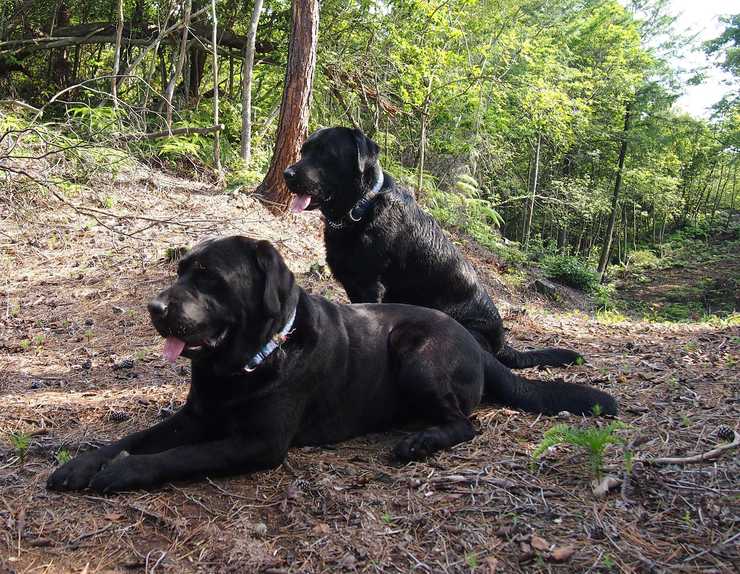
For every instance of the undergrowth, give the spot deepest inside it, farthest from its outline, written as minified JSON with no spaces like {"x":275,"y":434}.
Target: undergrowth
{"x":593,"y":440}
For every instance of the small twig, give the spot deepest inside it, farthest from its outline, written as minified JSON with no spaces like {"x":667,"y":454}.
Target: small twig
{"x":709,"y":455}
{"x":172,"y":133}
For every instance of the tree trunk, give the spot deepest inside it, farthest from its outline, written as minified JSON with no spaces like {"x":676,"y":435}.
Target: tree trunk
{"x":607,"y":244}
{"x":170,"y":91}
{"x":117,"y":54}
{"x":295,"y":105}
{"x":422,"y":150}
{"x":247,"y":68}
{"x":731,"y":211}
{"x":217,"y":135}
{"x":530,"y":209}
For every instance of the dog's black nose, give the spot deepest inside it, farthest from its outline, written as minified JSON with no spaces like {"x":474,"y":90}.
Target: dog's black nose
{"x":289,"y":173}
{"x":157,"y":308}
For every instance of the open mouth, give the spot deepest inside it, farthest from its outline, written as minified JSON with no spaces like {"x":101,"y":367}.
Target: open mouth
{"x":300,"y":202}
{"x":174,"y":347}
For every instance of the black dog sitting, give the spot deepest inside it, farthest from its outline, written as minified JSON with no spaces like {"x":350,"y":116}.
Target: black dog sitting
{"x":275,"y":367}
{"x":381,"y":246}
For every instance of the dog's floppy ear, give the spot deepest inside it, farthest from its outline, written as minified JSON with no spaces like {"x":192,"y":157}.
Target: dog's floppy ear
{"x":278,"y":278}
{"x":367,"y":150}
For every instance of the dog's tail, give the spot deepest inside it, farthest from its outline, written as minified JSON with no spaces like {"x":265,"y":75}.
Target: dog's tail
{"x":550,"y":357}
{"x":503,"y":386}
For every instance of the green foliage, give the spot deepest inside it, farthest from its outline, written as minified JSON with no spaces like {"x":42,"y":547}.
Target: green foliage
{"x":603,"y":295}
{"x":20,"y":442}
{"x":593,"y":440}
{"x":63,"y":456}
{"x":97,"y":121}
{"x":643,"y":259}
{"x":570,"y":270}
{"x":464,"y":208}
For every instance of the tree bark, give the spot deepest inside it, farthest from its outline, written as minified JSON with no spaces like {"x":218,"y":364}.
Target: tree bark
{"x":530,"y":209}
{"x":170,"y":91}
{"x":247,"y":68}
{"x":217,"y":135}
{"x":295,"y":105}
{"x":607,"y":244}
{"x":117,"y":54}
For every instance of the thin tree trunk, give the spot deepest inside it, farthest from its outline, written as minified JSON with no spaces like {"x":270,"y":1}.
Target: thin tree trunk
{"x":423,"y":137}
{"x":247,"y":68}
{"x":607,"y":244}
{"x":530,"y":209}
{"x":295,"y":105}
{"x":117,"y":54}
{"x":422,"y":149}
{"x":731,"y":212}
{"x":170,"y":91}
{"x":217,"y":135}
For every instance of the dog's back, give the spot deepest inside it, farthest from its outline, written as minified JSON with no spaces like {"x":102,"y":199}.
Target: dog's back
{"x":426,"y":269}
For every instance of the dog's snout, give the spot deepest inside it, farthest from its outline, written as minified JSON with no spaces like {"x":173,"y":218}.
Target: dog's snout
{"x":157,"y":307}
{"x":289,"y":174}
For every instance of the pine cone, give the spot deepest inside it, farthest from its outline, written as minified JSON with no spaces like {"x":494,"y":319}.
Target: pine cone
{"x":118,"y":416}
{"x":725,"y":433}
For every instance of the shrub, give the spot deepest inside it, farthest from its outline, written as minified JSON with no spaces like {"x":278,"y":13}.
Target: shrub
{"x":643,"y":259}
{"x":570,"y":270}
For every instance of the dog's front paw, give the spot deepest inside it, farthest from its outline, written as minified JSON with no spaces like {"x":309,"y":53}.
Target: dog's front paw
{"x":76,"y":474}
{"x":126,"y":473}
{"x":416,"y":446}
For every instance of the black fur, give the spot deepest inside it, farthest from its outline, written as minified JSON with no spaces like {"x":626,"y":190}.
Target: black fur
{"x":343,"y":371}
{"x":397,"y":253}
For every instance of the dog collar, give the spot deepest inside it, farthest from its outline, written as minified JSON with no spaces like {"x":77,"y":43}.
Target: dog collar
{"x":275,"y":341}
{"x":360,"y":208}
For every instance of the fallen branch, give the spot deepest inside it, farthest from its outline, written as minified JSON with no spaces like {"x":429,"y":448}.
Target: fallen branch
{"x":173,"y":133}
{"x":18,"y":104}
{"x":709,"y":455}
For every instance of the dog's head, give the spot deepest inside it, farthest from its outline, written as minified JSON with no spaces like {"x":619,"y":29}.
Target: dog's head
{"x":231,"y":295}
{"x":337,"y":166}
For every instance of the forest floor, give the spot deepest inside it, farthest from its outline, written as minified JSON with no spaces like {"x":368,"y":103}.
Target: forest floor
{"x":694,"y":279}
{"x":80,"y":364}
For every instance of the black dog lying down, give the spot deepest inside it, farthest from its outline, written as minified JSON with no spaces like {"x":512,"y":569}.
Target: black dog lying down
{"x":381,"y":246}
{"x":275,"y":367}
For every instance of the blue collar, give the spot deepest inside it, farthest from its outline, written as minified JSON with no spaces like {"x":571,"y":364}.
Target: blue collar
{"x":275,"y":341}
{"x":360,"y":208}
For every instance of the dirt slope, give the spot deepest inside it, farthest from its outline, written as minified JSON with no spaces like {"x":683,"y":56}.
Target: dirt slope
{"x":79,"y":364}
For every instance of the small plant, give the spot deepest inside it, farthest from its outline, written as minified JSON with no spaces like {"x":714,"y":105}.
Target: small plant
{"x":174,"y":254}
{"x":25,"y":344}
{"x":570,"y":270}
{"x":604,"y":297}
{"x":387,"y":519}
{"x":63,"y":456}
{"x":108,"y":202}
{"x":38,"y":340}
{"x":608,"y":562}
{"x":20,"y":442}
{"x":629,"y":461}
{"x":89,"y":335}
{"x":593,"y":440}
{"x":471,"y":559}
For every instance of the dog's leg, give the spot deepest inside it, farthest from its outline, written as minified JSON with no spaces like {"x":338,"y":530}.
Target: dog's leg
{"x":181,"y":428}
{"x":442,"y":380}
{"x":235,"y":454}
{"x":456,"y":429}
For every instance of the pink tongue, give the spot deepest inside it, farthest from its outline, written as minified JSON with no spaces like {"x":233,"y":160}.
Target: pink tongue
{"x":172,"y":348}
{"x":299,"y":203}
